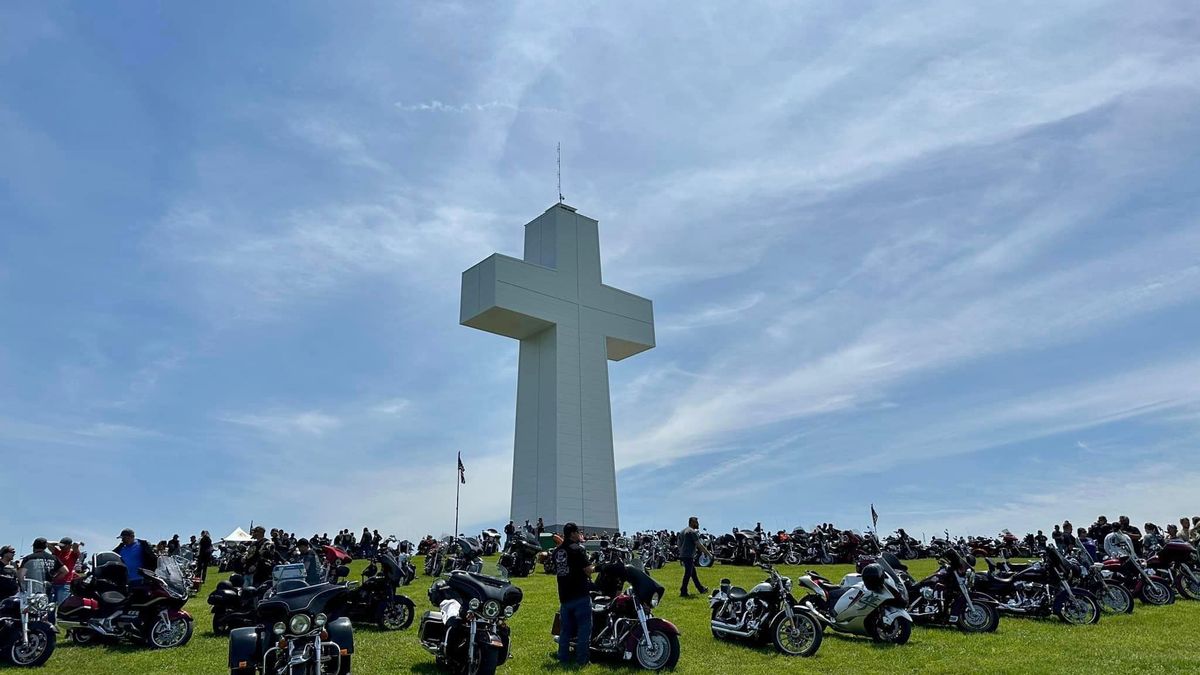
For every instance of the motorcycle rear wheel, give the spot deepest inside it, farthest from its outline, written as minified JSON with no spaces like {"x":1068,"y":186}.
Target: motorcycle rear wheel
{"x":799,"y":636}
{"x":83,"y":637}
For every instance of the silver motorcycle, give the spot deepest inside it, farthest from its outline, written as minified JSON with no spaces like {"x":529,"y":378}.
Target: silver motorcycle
{"x":873,"y":603}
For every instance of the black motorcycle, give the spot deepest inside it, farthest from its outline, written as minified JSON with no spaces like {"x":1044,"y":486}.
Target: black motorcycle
{"x":739,"y":548}
{"x":947,"y":597}
{"x":233,"y":603}
{"x":520,"y":555}
{"x":1041,"y":589}
{"x":375,"y":599}
{"x":623,"y":623}
{"x":768,"y":611}
{"x":469,"y":633}
{"x":466,"y":557}
{"x":294,"y":634}
{"x":27,"y":633}
{"x":489,"y":540}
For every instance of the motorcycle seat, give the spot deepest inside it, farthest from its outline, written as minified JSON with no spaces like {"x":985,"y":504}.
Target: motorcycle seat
{"x":738,"y":593}
{"x":832,"y":594}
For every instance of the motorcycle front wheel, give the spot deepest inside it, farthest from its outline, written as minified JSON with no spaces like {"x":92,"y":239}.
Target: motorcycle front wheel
{"x":396,"y":615}
{"x":1157,"y":594}
{"x":798,"y":636}
{"x":485,"y":663}
{"x":1080,"y":610}
{"x":1188,"y":587}
{"x":36,"y":650}
{"x":896,"y":634}
{"x":1117,"y":600}
{"x":167,"y":634}
{"x":978,"y":618}
{"x":705,"y":560}
{"x":662,"y":652}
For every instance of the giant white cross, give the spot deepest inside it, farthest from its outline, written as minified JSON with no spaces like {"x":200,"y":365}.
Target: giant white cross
{"x":569,"y":325}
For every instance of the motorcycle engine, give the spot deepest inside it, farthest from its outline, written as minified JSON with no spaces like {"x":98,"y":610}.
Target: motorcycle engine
{"x":927,"y":593}
{"x":755,"y":611}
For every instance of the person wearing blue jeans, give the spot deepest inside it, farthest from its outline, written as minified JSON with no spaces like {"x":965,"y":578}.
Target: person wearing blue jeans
{"x":573,"y":571}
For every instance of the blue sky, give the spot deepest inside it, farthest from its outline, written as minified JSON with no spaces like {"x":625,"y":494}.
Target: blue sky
{"x":939,"y":257}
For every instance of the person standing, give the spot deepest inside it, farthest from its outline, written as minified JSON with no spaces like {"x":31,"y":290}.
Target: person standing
{"x":67,"y":552}
{"x":137,"y":554}
{"x":173,"y":546}
{"x":689,"y":543}
{"x":41,"y":566}
{"x":509,"y":531}
{"x":259,"y":559}
{"x":313,"y":572}
{"x":541,"y":527}
{"x":205,"y":555}
{"x":573,"y":571}
{"x":8,"y":573}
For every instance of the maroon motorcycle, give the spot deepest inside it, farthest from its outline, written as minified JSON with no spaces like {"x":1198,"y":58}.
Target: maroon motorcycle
{"x":103,"y":606}
{"x":1177,"y":560}
{"x":1144,"y":583}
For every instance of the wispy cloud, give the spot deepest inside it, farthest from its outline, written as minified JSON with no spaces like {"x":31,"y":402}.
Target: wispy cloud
{"x":311,"y":422}
{"x":438,"y":106}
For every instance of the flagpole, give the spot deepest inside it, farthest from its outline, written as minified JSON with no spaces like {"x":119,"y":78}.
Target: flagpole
{"x":457,"y":488}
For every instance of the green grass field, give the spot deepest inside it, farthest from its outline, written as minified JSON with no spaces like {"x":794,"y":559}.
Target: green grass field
{"x":1152,"y":639}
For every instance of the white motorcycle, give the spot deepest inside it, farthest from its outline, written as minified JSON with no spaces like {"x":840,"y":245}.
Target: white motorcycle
{"x":873,"y":603}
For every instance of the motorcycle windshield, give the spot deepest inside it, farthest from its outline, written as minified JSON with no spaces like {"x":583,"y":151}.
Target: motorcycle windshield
{"x":895,"y":576}
{"x":171,"y":573}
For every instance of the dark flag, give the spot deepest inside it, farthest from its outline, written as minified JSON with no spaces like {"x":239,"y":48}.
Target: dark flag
{"x":874,"y":516}
{"x":462,"y":470}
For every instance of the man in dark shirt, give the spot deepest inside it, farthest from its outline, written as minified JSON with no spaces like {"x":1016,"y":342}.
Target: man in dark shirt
{"x":509,"y":531}
{"x":689,"y":543}
{"x":41,"y":566}
{"x":575,"y":604}
{"x":259,"y":559}
{"x":205,"y":556}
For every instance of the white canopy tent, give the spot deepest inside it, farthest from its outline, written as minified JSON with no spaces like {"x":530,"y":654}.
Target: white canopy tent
{"x":237,"y":535}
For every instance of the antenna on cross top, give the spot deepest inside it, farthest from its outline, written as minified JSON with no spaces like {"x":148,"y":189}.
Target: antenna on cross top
{"x":560,"y":194}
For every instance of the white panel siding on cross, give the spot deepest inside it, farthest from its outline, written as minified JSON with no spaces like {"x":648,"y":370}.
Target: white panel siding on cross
{"x":570,"y":325}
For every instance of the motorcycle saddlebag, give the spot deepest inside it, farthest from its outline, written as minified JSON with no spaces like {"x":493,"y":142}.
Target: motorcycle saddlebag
{"x":342,"y":633}
{"x":75,"y":605}
{"x":244,"y":648}
{"x":433,"y":627}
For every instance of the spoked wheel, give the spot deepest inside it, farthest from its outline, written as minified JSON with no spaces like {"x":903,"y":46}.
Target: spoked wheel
{"x":83,"y":637}
{"x":1116,"y":600}
{"x":1188,"y":587}
{"x":662,"y":652}
{"x":396,"y":615}
{"x":1158,"y":594}
{"x":1079,"y":611}
{"x":978,"y":618}
{"x":896,"y":634}
{"x":36,"y":650}
{"x":166,"y":634}
{"x":792,"y":559}
{"x":704,"y":560}
{"x":485,"y":662}
{"x":798,"y":636}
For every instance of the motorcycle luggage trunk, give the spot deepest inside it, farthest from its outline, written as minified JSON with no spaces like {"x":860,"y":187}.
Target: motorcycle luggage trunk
{"x":433,"y":627}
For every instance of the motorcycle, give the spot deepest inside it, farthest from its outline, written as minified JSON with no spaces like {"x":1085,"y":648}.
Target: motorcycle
{"x":520,"y":555}
{"x":767,"y":611}
{"x":872,"y":603}
{"x":947,"y":598}
{"x":490,"y":542}
{"x":469,"y":633}
{"x":233,"y":603}
{"x":102,"y":605}
{"x":623,"y":623}
{"x":1148,"y":586}
{"x":1114,"y":598}
{"x":738,"y":548}
{"x":27,"y":632}
{"x":294,"y":634}
{"x":1177,"y":559}
{"x":435,"y":558}
{"x":375,"y":598}
{"x":1041,"y":589}
{"x":466,"y":556}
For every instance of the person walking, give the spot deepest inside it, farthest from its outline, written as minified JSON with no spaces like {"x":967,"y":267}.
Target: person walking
{"x":204,"y":556}
{"x":689,"y":543}
{"x":573,"y":571}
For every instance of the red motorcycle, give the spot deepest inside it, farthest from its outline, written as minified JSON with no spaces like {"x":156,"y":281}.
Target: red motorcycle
{"x":1178,"y":560}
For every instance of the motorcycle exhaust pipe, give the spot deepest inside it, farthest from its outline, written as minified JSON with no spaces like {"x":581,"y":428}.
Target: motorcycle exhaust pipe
{"x":727,"y":629}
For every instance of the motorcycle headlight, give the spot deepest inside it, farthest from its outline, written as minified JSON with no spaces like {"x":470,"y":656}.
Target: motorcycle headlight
{"x":654,"y":599}
{"x":300,"y":624}
{"x":787,"y":584}
{"x":509,"y":611}
{"x":279,"y":628}
{"x":473,"y":604}
{"x":320,"y":620}
{"x":491,"y":609}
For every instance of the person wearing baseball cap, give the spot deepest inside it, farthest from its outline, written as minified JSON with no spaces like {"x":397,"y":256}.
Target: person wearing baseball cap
{"x":8,"y":573}
{"x":137,"y":554}
{"x":574,"y":571}
{"x":41,"y":565}
{"x":67,"y":552}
